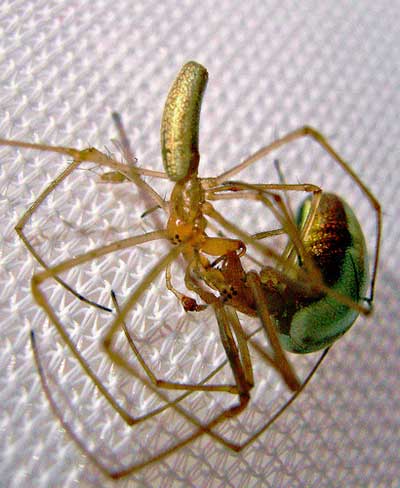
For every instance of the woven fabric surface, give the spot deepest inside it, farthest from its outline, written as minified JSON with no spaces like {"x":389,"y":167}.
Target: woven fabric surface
{"x":273,"y":67}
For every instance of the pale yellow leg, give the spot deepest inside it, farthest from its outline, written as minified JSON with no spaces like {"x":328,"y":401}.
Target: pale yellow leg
{"x":304,"y":276}
{"x":307,"y":131}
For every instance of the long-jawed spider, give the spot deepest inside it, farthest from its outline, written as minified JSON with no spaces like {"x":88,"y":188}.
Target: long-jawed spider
{"x":299,"y":289}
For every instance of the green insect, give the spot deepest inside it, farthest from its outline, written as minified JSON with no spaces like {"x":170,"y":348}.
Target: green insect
{"x":306,"y":301}
{"x":305,"y":318}
{"x":337,"y":245}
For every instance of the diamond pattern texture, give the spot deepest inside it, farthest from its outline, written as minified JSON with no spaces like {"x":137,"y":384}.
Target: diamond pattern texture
{"x":273,"y":66}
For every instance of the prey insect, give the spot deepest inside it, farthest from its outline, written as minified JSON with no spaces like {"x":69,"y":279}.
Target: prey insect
{"x":306,"y":301}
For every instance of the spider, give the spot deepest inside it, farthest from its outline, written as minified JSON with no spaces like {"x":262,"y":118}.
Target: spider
{"x":305,"y":302}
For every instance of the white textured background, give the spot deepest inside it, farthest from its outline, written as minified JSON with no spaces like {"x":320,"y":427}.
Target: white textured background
{"x":273,"y":66}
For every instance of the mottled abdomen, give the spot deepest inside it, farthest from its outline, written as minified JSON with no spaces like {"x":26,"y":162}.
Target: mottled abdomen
{"x":180,"y":122}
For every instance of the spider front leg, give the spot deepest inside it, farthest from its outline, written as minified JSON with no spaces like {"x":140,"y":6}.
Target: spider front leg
{"x":303,"y":275}
{"x":307,"y":131}
{"x":263,"y":193}
{"x":247,"y":296}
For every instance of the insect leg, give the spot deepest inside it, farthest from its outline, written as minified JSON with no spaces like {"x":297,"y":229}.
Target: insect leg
{"x":323,"y":142}
{"x":307,"y":131}
{"x":238,"y":355}
{"x":260,"y":192}
{"x":242,"y":346}
{"x":189,"y":304}
{"x":119,"y":321}
{"x":281,"y":363}
{"x":239,"y":358}
{"x":303,"y":275}
{"x":239,"y":447}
